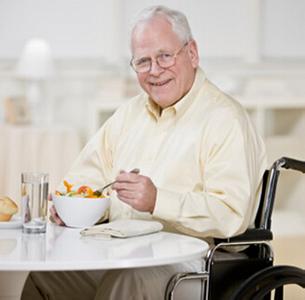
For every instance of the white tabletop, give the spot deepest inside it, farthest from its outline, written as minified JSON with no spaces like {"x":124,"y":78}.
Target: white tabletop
{"x":63,"y":248}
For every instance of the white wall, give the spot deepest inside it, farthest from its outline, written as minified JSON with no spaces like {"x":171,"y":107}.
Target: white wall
{"x":99,"y":28}
{"x":74,"y":28}
{"x":283,"y":22}
{"x":218,"y":26}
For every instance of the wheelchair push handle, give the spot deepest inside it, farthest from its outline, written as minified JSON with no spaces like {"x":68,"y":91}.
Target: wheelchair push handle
{"x":291,"y":163}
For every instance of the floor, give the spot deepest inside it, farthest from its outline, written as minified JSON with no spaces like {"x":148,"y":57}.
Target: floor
{"x":290,"y":250}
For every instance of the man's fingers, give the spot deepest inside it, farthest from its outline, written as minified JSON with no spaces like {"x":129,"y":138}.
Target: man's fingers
{"x":126,"y":200}
{"x":128,"y":176}
{"x":55,"y":216}
{"x":128,"y":194}
{"x":124,"y":185}
{"x":52,"y":210}
{"x":136,"y":190}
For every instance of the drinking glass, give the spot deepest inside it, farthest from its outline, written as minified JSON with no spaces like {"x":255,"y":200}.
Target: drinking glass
{"x":34,"y":201}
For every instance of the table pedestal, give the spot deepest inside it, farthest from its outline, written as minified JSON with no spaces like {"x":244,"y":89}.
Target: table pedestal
{"x":11,"y":284}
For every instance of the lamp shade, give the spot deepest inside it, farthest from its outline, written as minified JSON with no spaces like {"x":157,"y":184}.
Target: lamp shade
{"x":36,"y":61}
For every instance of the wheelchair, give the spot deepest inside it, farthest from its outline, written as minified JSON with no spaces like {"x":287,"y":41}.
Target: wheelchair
{"x":249,"y":274}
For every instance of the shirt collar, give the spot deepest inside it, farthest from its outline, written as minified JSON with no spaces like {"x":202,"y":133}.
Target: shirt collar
{"x":153,"y":108}
{"x":182,"y":105}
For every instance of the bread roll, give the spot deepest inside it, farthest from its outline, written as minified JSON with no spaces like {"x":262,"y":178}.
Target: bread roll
{"x":7,"y":208}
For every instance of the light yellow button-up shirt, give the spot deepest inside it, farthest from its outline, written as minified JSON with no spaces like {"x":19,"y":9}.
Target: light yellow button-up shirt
{"x":203,"y":154}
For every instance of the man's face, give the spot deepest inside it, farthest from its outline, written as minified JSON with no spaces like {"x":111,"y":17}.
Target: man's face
{"x":165,"y":86}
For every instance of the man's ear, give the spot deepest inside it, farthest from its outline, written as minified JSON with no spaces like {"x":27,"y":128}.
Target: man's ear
{"x":193,"y":53}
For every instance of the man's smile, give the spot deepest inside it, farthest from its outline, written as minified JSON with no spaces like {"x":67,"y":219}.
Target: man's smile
{"x":160,"y":83}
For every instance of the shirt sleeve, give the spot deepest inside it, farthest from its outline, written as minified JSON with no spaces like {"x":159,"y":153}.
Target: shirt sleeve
{"x":231,"y":177}
{"x":93,"y":165}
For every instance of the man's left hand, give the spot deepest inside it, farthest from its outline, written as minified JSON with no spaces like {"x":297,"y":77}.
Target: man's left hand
{"x":136,"y":190}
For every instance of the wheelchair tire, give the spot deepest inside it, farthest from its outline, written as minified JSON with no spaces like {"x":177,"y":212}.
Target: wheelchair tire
{"x":271,"y":278}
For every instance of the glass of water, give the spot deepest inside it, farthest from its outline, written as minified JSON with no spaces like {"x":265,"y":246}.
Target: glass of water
{"x":34,"y":201}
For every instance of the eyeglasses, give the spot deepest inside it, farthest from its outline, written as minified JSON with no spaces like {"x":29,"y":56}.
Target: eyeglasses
{"x":164,"y":60}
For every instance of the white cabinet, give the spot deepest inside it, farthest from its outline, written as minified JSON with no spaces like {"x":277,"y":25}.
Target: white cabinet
{"x":272,"y":116}
{"x":281,"y":122}
{"x":101,"y":111}
{"x":40,"y":149}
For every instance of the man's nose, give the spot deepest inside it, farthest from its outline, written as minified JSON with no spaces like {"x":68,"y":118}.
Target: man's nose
{"x":155,"y":68}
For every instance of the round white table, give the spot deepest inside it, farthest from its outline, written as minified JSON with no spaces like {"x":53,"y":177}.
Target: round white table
{"x":63,"y":248}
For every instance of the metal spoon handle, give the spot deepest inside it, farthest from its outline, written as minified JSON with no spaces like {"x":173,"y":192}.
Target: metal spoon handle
{"x":100,"y":191}
{"x":105,"y":186}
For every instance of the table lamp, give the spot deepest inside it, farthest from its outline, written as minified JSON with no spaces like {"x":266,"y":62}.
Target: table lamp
{"x":35,"y":66}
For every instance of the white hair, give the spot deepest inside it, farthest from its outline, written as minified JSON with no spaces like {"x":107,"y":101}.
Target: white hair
{"x":176,"y":18}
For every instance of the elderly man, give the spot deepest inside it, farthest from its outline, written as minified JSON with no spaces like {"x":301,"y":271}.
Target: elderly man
{"x":200,"y":158}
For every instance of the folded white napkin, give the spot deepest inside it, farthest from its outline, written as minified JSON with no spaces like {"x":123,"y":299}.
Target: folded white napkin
{"x":123,"y":228}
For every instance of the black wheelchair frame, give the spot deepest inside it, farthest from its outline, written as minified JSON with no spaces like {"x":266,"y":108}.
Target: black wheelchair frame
{"x":249,"y":274}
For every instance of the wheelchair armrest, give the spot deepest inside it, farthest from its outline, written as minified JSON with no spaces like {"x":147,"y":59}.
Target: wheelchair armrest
{"x":294,"y":164}
{"x":248,"y":236}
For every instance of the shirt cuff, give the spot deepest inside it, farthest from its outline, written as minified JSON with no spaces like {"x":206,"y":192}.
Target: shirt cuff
{"x":167,"y":206}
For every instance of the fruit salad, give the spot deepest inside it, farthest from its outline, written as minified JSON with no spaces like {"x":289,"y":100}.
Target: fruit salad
{"x":83,"y":191}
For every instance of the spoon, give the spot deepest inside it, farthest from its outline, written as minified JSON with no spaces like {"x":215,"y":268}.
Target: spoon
{"x":99,"y":192}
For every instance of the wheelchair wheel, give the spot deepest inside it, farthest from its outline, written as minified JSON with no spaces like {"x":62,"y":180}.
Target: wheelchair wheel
{"x":272,"y":278}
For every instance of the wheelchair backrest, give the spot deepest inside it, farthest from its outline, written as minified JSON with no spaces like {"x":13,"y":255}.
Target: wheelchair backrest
{"x":269,"y":183}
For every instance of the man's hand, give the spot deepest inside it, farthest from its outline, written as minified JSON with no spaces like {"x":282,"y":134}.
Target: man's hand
{"x":54,"y":217}
{"x":136,"y":190}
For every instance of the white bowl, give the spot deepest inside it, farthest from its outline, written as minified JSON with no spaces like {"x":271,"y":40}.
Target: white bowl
{"x":80,"y":212}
